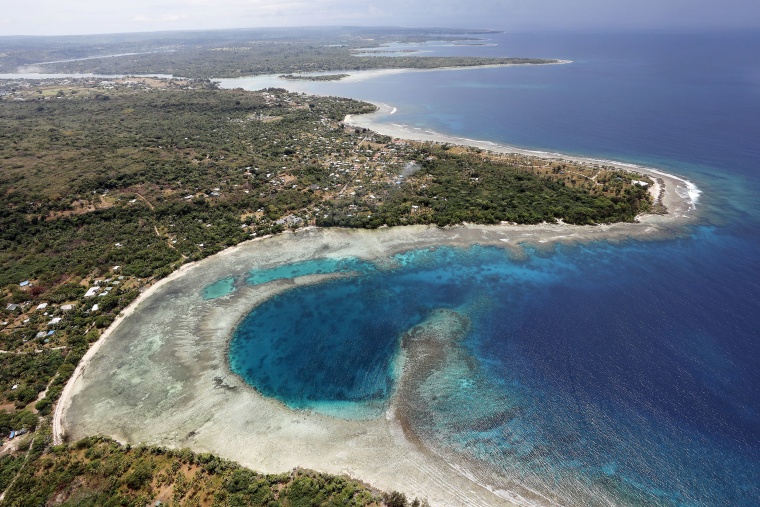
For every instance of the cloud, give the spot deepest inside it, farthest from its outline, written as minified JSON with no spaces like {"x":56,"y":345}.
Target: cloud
{"x":99,"y":16}
{"x":143,"y":18}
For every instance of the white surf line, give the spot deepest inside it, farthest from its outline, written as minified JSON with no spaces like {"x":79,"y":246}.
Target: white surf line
{"x":509,"y":495}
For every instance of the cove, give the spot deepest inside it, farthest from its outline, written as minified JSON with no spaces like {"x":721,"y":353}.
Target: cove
{"x":333,"y":346}
{"x":573,"y":361}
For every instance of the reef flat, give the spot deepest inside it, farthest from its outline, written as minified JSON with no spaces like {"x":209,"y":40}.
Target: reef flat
{"x":161,"y":376}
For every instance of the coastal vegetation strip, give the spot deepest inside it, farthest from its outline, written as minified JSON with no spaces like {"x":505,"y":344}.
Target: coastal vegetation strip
{"x":320,"y":77}
{"x":110,"y":184}
{"x":99,"y":471}
{"x":190,"y":171}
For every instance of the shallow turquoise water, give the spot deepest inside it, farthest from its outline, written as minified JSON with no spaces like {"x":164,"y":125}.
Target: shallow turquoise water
{"x":308,"y":267}
{"x":219,"y":288}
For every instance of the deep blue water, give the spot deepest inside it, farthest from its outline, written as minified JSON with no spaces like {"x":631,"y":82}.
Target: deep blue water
{"x":631,"y":371}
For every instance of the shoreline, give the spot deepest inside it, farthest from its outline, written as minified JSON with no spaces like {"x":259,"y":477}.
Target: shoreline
{"x":404,"y":132}
{"x":28,"y":72}
{"x":65,"y":399}
{"x":362,"y":75}
{"x":355,"y":76}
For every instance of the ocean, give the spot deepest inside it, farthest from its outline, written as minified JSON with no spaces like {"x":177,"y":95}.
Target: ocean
{"x":597,"y":374}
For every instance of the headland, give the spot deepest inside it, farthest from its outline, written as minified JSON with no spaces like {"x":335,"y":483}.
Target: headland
{"x":678,"y":195}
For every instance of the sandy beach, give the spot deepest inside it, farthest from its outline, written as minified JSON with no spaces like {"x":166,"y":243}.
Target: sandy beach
{"x":160,"y":376}
{"x":356,"y":76}
{"x":67,"y":389}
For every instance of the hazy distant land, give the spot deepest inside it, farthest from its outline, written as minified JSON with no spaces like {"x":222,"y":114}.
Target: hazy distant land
{"x":234,"y":53}
{"x":320,"y":77}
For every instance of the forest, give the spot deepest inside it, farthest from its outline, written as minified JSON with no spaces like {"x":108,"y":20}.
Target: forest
{"x":99,"y":472}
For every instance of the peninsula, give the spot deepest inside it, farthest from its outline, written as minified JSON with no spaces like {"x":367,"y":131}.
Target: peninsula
{"x":317,"y":77}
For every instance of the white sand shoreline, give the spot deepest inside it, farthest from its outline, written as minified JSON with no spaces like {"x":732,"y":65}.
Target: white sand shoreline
{"x":362,"y":75}
{"x":65,"y":398}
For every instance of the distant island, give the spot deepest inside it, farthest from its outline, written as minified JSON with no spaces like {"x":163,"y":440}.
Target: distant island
{"x":321,"y":77}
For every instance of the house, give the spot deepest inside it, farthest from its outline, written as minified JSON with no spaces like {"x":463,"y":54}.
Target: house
{"x":92,"y":292}
{"x":11,"y":307}
{"x":54,"y":321}
{"x":25,"y":283}
{"x":67,"y":308}
{"x":42,"y":306}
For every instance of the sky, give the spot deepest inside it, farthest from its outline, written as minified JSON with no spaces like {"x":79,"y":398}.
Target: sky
{"x":71,"y":17}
